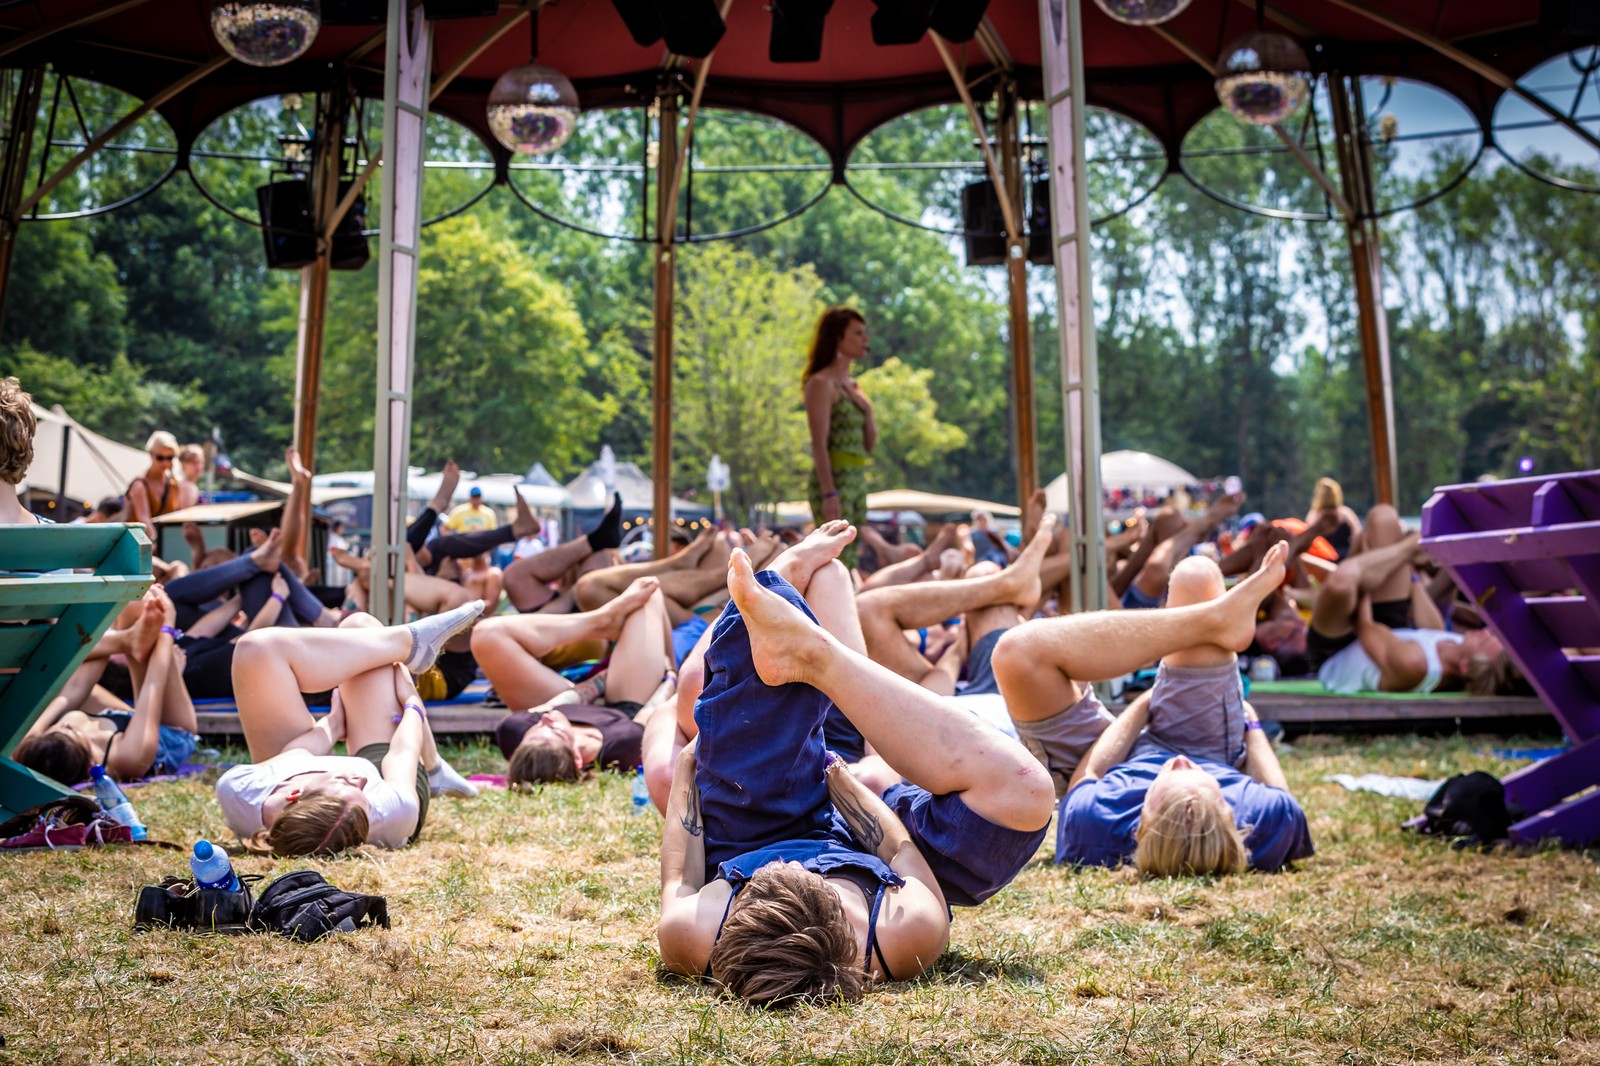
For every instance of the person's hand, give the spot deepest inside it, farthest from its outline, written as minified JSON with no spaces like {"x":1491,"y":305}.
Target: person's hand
{"x":856,"y":395}
{"x":405,"y":688}
{"x":280,"y":587}
{"x":169,"y":610}
{"x":830,"y":508}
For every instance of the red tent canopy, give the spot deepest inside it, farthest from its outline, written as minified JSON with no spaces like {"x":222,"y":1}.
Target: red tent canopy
{"x":856,"y":86}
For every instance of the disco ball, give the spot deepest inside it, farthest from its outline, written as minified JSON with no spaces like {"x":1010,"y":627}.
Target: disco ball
{"x":265,"y":33}
{"x":1143,"y":12}
{"x":533,"y":109}
{"x":1263,"y":78}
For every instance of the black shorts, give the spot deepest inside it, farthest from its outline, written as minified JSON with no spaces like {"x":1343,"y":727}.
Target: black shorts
{"x":374,"y":754}
{"x":458,"y":669}
{"x":631,"y":708}
{"x":1396,"y":614}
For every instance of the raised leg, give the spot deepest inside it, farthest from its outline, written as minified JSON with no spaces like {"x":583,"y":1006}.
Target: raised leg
{"x":1381,"y":572}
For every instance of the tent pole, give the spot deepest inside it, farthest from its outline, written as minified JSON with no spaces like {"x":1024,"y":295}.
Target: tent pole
{"x":1366,"y":256}
{"x":1022,"y":403}
{"x":665,"y":282}
{"x":1061,"y":31}
{"x":405,"y":114}
{"x":14,"y":168}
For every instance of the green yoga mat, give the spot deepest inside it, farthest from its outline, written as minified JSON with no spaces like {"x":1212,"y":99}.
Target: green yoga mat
{"x":1313,"y":687}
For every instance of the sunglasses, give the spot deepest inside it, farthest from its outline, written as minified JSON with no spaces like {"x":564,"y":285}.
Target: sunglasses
{"x":163,"y":458}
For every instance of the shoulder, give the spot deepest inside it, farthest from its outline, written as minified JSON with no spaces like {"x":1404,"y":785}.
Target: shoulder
{"x":913,"y":930}
{"x":688,"y":928}
{"x":820,"y":387}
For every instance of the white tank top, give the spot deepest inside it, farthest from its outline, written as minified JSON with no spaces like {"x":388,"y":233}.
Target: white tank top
{"x":1352,"y":669}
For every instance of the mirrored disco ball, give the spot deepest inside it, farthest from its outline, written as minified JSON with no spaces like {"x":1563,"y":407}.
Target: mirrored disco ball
{"x":265,"y":33}
{"x":1263,"y":78}
{"x":533,"y":109}
{"x":1142,"y":12}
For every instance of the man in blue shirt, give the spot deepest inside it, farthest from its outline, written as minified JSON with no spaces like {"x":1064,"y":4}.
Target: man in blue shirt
{"x":1183,"y":781}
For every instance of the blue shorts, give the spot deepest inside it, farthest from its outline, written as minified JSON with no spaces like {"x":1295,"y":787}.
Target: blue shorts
{"x":971,"y":856}
{"x":173,"y":745}
{"x":1134,"y":600}
{"x":980,"y":672}
{"x":685,"y":636}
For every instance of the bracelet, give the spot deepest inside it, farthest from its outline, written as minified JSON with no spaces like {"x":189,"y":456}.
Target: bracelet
{"x":1252,"y":724}
{"x":278,"y":596}
{"x":172,"y":631}
{"x":411,"y":705}
{"x":829,"y":495}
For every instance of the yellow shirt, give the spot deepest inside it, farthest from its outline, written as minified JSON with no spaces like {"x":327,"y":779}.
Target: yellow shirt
{"x":465,"y":518}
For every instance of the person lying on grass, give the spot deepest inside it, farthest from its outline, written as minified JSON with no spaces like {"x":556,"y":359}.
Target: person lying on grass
{"x":1161,"y":785}
{"x":783,"y":877}
{"x":297,"y":798}
{"x":558,"y":731}
{"x":85,"y":725}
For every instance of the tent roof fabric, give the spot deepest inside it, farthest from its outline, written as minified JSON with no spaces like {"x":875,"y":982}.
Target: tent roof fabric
{"x":588,"y":491}
{"x":855,"y":87}
{"x":97,"y":466}
{"x":1124,"y":470}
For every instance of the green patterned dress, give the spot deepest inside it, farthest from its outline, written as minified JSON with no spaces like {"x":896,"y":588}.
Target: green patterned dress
{"x":847,"y":454}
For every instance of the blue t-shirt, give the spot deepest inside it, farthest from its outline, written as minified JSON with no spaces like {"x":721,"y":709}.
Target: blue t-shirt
{"x":1098,"y":819}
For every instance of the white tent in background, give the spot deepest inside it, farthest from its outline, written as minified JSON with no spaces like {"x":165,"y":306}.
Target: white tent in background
{"x":96,"y":467}
{"x":1125,"y":470}
{"x":589,"y":493}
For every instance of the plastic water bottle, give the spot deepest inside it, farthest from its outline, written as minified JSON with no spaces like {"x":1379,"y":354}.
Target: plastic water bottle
{"x":641,"y":794}
{"x":1265,"y":668}
{"x":115,"y":802}
{"x":211,"y":867}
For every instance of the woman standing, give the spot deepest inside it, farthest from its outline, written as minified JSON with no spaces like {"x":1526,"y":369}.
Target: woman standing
{"x":843,"y":432}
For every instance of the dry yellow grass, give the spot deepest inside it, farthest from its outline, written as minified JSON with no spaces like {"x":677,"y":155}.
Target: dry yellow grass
{"x":523,"y":932}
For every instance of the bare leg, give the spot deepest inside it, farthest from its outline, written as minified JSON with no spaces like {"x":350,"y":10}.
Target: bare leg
{"x":294,"y":522}
{"x":527,"y":580}
{"x":509,"y":647}
{"x":1152,"y":579}
{"x":1381,"y":572}
{"x":1042,"y":664}
{"x":939,"y":747}
{"x":642,"y":655}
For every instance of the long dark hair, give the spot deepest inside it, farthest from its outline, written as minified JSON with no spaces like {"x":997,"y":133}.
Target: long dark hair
{"x":830,"y":331}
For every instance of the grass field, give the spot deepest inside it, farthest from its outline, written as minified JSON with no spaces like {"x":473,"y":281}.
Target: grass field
{"x":524,"y":932}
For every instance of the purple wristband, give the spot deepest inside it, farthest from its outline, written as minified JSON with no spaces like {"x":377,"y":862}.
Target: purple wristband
{"x":279,"y":597}
{"x":172,"y":631}
{"x":411,"y":705}
{"x":1252,"y":724}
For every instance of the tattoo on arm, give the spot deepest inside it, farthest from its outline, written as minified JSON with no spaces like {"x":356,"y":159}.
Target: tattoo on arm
{"x":862,"y":822}
{"x":691,"y":812}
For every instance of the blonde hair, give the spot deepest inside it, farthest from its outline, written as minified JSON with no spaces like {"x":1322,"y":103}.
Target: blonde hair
{"x":161,"y":439}
{"x":17,"y":426}
{"x":1493,"y":675}
{"x":315,"y":824}
{"x":1189,"y":834}
{"x":1327,"y":496}
{"x":787,"y":940}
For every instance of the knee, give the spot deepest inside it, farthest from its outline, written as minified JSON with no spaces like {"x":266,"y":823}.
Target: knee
{"x":360,"y":620}
{"x":1383,"y":514}
{"x":1012,"y":657}
{"x":488,"y":636}
{"x":1194,"y":580}
{"x":983,"y":569}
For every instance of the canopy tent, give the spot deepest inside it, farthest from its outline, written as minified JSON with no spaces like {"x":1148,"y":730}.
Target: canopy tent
{"x":95,"y":466}
{"x":1066,"y":52}
{"x":1125,"y":469}
{"x":499,"y":490}
{"x":538,"y":475}
{"x":927,"y":504}
{"x":589,"y":493}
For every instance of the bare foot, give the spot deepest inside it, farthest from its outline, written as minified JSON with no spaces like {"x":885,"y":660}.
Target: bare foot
{"x":785,"y":645}
{"x":764,"y":549}
{"x":1223,"y":508}
{"x":196,"y":539}
{"x":447,"y":488}
{"x":635,"y":596}
{"x":820,"y":547}
{"x":1032,"y":512}
{"x":1236,"y":622}
{"x":1022,"y":577}
{"x":270,"y":554}
{"x":1327,"y":522}
{"x":690,"y":556}
{"x":145,"y":631}
{"x":297,"y":470}
{"x":524,"y":524}
{"x":353,"y":563}
{"x":952,"y":564}
{"x":934,"y":553}
{"x":258,"y":537}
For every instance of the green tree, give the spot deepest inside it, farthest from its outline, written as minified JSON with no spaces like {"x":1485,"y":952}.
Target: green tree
{"x":910,"y":435}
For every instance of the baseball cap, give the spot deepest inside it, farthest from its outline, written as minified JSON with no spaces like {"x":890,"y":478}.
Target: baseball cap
{"x":476,"y":491}
{"x":1254,"y":518}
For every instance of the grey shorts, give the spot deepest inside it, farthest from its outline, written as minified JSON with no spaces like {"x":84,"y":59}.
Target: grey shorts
{"x":1061,"y":741}
{"x":1196,"y":711}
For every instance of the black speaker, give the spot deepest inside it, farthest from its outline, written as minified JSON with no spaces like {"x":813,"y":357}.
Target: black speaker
{"x":459,"y":9}
{"x":690,"y":27}
{"x":1574,"y":18}
{"x":354,"y":12}
{"x":1041,"y":242}
{"x":957,"y":20}
{"x":984,"y":224}
{"x":797,"y":30}
{"x":900,"y":21}
{"x":290,"y":237}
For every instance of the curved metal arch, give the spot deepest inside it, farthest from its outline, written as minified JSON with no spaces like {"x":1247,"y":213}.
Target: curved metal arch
{"x":1565,"y":184}
{"x":1444,"y":190}
{"x":568,"y":223}
{"x":1493,"y":130}
{"x":452,"y":213}
{"x":886,"y":213}
{"x":1248,"y":208}
{"x":762,"y":226}
{"x":254,"y":223}
{"x":104,"y":209}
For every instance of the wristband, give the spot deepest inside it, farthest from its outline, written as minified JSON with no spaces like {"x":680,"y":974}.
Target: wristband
{"x":172,"y":631}
{"x":278,"y":596}
{"x":829,"y":495}
{"x":411,"y":705}
{"x":1252,"y":724}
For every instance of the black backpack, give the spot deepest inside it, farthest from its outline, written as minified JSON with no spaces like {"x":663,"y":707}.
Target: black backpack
{"x":1472,"y":808}
{"x":304,"y":906}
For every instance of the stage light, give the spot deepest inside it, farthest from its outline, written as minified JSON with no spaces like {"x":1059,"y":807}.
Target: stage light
{"x":1143,"y":12}
{"x":797,"y":30}
{"x":1263,"y":78}
{"x":689,"y":27}
{"x":533,"y":109}
{"x":265,"y":33}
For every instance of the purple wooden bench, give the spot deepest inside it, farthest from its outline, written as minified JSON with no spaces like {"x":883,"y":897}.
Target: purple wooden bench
{"x":1528,"y":552}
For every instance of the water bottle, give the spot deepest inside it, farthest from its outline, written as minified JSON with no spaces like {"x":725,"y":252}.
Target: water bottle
{"x":115,"y":802}
{"x":1265,"y":668}
{"x":211,"y":867}
{"x":641,"y":794}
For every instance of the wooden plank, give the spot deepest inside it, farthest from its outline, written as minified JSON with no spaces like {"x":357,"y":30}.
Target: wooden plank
{"x":63,"y":649}
{"x":1550,"y":781}
{"x":1576,"y":823}
{"x":1290,"y":708}
{"x":1574,"y":621}
{"x":1524,"y":544}
{"x":18,"y":641}
{"x":446,"y":721}
{"x":46,"y":595}
{"x":74,"y":547}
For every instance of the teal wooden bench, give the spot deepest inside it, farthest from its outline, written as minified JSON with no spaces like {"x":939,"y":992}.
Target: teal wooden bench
{"x":48,"y":625}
